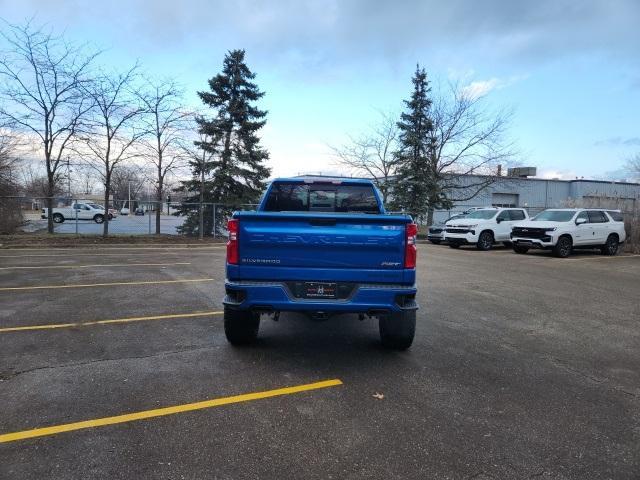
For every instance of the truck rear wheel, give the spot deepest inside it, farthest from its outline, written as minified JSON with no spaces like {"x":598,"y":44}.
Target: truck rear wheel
{"x":611,"y":246}
{"x":58,"y":218}
{"x":398,"y":329}
{"x":99,"y":218}
{"x":241,"y":326}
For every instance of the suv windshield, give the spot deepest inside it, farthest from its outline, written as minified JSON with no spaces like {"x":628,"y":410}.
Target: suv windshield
{"x":482,"y":214}
{"x":554,"y":216}
{"x":320,"y":197}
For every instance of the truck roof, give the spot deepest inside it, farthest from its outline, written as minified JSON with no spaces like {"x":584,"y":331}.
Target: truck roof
{"x":334,"y":180}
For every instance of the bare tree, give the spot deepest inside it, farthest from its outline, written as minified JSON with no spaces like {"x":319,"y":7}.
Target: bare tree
{"x":200,"y":161}
{"x":42,"y":92}
{"x":113,"y":133}
{"x":633,"y":165}
{"x":9,"y":164}
{"x":165,"y":121}
{"x":373,"y":154}
{"x":467,"y":143}
{"x":128,"y":180}
{"x":10,"y":212}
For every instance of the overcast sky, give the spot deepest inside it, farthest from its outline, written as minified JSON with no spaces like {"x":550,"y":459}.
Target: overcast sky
{"x":570,"y":69}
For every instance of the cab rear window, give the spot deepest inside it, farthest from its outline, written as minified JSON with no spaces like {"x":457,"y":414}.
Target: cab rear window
{"x":320,"y":197}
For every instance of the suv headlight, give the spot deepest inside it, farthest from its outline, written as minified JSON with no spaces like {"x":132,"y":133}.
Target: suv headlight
{"x":551,"y":229}
{"x":472,"y":225}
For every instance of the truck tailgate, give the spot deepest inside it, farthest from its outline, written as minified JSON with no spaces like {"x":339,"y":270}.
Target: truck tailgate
{"x":286,"y":242}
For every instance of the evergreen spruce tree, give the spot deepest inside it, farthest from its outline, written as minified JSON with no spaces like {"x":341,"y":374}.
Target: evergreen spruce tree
{"x":416,"y":188}
{"x":234,"y":168}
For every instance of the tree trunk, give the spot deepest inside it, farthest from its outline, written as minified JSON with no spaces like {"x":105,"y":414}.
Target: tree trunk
{"x":105,"y":225}
{"x":159,"y":206}
{"x":201,"y":226}
{"x":49,"y":201}
{"x":430,"y":217}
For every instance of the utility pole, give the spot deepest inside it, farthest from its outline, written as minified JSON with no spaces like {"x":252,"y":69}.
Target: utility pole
{"x":129,"y":205}
{"x":68,"y":178}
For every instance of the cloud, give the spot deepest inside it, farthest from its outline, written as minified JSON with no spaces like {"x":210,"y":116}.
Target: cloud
{"x":558,"y":174}
{"x":480,"y":88}
{"x":325,"y":32}
{"x":619,"y":142}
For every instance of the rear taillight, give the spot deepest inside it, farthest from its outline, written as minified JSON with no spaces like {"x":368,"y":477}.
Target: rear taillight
{"x":232,"y":244}
{"x":410,"y":250}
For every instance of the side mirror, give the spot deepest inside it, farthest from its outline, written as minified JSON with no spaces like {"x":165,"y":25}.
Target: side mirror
{"x":499,"y":219}
{"x":580,"y":221}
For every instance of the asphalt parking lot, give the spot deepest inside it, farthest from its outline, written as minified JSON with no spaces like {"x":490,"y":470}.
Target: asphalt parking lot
{"x":524,"y":366}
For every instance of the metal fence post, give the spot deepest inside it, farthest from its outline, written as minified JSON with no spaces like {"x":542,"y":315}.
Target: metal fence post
{"x":76,"y":210}
{"x":149,"y":222}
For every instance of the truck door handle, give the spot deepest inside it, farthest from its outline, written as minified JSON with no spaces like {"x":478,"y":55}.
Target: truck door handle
{"x":322,"y":222}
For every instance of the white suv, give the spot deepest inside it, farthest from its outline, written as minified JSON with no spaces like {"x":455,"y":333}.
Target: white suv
{"x":484,"y":227}
{"x":562,"y":230}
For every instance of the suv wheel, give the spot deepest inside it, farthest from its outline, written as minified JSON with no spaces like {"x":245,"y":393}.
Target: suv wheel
{"x":520,"y":249}
{"x":611,"y":246}
{"x":99,"y":218}
{"x":398,"y":329}
{"x":563,"y":247}
{"x":241,"y":326}
{"x":58,"y":218}
{"x":485,"y":241}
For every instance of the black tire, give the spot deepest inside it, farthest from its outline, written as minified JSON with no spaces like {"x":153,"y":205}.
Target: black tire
{"x":241,"y":326}
{"x":520,"y":249}
{"x":110,"y":216}
{"x":610,"y":247}
{"x":485,"y":241}
{"x":563,"y":247}
{"x":397,"y":330}
{"x":99,"y":218}
{"x":435,"y":242}
{"x":454,"y":245}
{"x":58,"y":218}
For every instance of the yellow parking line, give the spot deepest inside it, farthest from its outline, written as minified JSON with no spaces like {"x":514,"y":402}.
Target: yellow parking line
{"x":159,"y":412}
{"x":106,"y":322}
{"x":91,"y":285}
{"x":38,"y":267}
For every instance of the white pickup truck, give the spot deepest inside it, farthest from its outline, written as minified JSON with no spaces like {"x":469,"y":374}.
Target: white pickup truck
{"x":81,"y":211}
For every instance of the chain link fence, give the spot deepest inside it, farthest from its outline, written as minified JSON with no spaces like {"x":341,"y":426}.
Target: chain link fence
{"x":86,"y":216}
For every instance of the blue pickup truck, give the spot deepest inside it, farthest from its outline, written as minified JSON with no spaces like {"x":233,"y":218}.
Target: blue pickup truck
{"x":321,"y":247}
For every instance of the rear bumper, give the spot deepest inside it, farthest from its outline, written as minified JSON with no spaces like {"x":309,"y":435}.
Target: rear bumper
{"x":276,"y":296}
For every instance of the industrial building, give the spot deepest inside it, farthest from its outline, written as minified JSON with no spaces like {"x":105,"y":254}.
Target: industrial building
{"x":519,"y":189}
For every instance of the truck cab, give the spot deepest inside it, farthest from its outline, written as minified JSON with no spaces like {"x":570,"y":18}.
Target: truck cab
{"x":321,"y":247}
